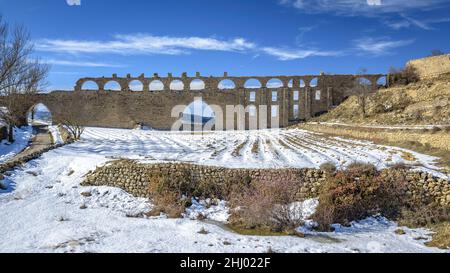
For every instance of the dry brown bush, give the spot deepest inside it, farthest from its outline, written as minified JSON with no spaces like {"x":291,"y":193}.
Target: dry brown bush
{"x":405,"y":75}
{"x":328,"y":168}
{"x":266,"y":205}
{"x":359,"y":192}
{"x":171,"y":192}
{"x":421,"y":216}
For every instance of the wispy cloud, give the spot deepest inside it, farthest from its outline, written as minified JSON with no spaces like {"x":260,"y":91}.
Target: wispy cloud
{"x":138,"y":44}
{"x":144,"y":44}
{"x":80,"y":63}
{"x":302,"y":32}
{"x":284,"y":54}
{"x":363,"y":7}
{"x":379,"y":46}
{"x":407,"y":22}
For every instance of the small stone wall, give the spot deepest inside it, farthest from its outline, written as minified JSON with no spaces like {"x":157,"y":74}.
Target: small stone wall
{"x":134,"y":178}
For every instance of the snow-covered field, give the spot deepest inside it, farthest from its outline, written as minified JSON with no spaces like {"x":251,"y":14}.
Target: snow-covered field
{"x":43,"y":209}
{"x":245,"y":149}
{"x":8,"y":150}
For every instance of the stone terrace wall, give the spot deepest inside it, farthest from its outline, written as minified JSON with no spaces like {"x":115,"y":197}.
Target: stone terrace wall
{"x":134,"y":178}
{"x":432,"y":66}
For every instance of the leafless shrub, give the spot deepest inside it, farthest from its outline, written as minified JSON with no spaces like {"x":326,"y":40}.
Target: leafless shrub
{"x":436,"y":52}
{"x":403,"y":76}
{"x":358,"y":192}
{"x":267,"y":205}
{"x":420,"y":216}
{"x":76,"y":130}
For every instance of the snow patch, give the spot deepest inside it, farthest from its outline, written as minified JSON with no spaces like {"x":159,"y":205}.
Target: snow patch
{"x":22,"y":137}
{"x":56,"y":134}
{"x":209,"y":210}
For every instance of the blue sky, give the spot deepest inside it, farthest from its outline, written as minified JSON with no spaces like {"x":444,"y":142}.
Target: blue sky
{"x":243,"y":37}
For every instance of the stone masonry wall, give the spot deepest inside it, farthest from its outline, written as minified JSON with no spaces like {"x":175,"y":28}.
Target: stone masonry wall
{"x":125,"y":108}
{"x":134,"y":178}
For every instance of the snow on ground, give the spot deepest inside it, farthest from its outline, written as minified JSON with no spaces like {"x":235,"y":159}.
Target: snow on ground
{"x":214,"y":211}
{"x":273,"y":148}
{"x":22,"y":136}
{"x":56,"y":134}
{"x":43,"y":210}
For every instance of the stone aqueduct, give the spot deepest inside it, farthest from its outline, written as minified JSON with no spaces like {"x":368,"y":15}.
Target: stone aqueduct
{"x":296,"y":98}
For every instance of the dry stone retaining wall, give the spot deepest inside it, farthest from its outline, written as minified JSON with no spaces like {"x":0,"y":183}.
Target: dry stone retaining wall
{"x":134,"y":178}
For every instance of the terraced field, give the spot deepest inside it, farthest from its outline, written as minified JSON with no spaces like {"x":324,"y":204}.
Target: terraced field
{"x":246,"y":149}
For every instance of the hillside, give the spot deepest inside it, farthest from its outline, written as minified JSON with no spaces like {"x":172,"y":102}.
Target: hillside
{"x":425,"y":102}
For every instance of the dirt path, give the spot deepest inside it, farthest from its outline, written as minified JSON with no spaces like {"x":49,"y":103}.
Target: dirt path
{"x":41,"y":140}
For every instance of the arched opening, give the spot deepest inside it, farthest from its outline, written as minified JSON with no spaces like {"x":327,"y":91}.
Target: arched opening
{"x":364,"y":82}
{"x":302,"y":83}
{"x":156,"y":85}
{"x":291,"y":84}
{"x":314,"y":82}
{"x":382,"y":81}
{"x":112,"y":86}
{"x":252,"y":83}
{"x":39,"y":115}
{"x":226,"y":84}
{"x":136,"y":85}
{"x":176,"y":85}
{"x":274,"y":83}
{"x":197,"y":114}
{"x":89,"y":86}
{"x":197,"y":84}
{"x":296,"y":95}
{"x":318,"y":95}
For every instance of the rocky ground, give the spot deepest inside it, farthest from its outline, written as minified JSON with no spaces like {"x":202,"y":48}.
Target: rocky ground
{"x":424,"y":102}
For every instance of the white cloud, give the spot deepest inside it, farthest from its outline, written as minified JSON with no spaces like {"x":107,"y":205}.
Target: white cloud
{"x":284,"y":54}
{"x":78,"y":63}
{"x":138,"y":44}
{"x":379,"y":46}
{"x":362,"y":7}
{"x":73,"y":2}
{"x":374,"y":2}
{"x":144,"y":44}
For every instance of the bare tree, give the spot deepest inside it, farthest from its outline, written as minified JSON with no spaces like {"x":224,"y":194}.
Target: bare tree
{"x":20,"y":74}
{"x":363,"y":88}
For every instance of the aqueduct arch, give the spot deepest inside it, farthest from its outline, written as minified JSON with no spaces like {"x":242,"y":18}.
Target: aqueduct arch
{"x":295,"y":99}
